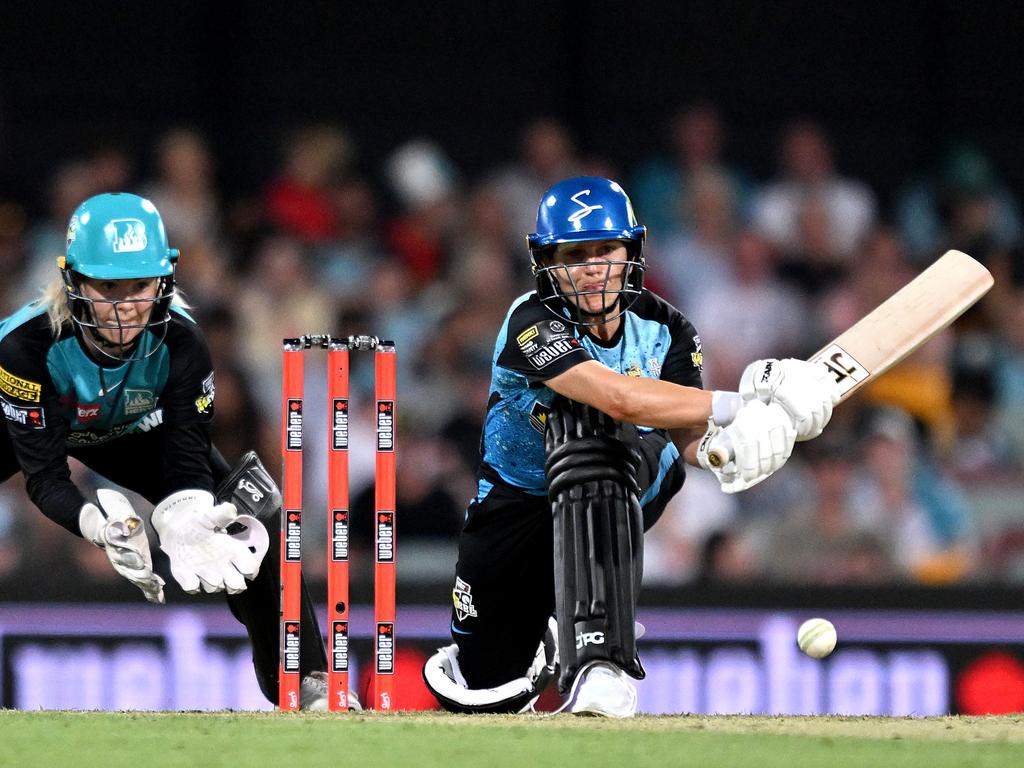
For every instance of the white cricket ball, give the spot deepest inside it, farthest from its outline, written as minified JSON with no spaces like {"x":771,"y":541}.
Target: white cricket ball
{"x":817,"y":638}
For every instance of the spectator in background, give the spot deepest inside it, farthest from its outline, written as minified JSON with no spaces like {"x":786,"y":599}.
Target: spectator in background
{"x":547,"y":153}
{"x":810,"y":210}
{"x":281,"y":301}
{"x":111,"y":165}
{"x":822,"y":539}
{"x":923,"y":516}
{"x":1008,"y":355}
{"x":697,"y":513}
{"x":982,"y":451}
{"x":300,"y":202}
{"x":772,"y":321}
{"x":726,"y":558}
{"x":72,"y":183}
{"x":345,"y":265}
{"x":423,"y":180}
{"x":696,"y":254}
{"x":963,"y":205}
{"x":183,"y":190}
{"x":663,"y":185}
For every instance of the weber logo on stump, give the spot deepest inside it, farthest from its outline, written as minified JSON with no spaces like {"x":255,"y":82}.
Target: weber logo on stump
{"x":293,"y":430}
{"x":385,"y":425}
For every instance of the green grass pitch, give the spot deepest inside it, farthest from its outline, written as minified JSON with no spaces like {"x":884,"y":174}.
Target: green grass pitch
{"x":426,"y":740}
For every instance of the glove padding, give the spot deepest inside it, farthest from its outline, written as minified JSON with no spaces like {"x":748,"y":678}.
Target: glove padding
{"x":113,"y":526}
{"x":807,"y":391}
{"x":203,"y":553}
{"x":758,"y":442}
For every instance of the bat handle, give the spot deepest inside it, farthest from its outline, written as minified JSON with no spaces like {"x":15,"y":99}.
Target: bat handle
{"x":721,"y":455}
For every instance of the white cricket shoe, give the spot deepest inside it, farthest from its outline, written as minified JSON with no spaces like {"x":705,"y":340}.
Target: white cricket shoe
{"x":313,"y":694}
{"x":604,"y":690}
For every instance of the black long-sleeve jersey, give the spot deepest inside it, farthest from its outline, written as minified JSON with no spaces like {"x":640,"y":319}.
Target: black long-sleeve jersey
{"x":59,"y":401}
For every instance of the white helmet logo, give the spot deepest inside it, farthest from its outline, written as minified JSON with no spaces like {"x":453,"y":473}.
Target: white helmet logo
{"x":128,"y":236}
{"x":585,"y":210}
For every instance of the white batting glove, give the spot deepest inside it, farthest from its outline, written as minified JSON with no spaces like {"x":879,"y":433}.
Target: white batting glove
{"x":113,"y":526}
{"x":193,"y":533}
{"x":757,"y":443}
{"x":807,"y":391}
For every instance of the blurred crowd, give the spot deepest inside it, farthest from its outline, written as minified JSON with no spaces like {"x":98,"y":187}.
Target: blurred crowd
{"x":916,"y":480}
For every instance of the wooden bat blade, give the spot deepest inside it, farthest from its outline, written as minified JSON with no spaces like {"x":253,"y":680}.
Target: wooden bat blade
{"x":898,"y":326}
{"x":905,"y":321}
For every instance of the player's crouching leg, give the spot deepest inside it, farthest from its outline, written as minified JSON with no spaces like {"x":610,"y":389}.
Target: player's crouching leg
{"x":444,"y":678}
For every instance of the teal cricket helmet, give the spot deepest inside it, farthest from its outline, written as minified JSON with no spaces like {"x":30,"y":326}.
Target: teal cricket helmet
{"x":118,"y":236}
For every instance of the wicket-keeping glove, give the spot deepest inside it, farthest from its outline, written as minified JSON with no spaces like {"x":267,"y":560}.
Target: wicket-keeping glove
{"x":113,"y":526}
{"x":194,"y":532}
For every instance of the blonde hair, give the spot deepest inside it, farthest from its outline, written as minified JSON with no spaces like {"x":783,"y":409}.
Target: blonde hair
{"x":54,"y":300}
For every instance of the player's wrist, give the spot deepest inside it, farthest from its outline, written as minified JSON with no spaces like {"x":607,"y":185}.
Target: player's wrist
{"x":91,"y":523}
{"x":724,"y":406}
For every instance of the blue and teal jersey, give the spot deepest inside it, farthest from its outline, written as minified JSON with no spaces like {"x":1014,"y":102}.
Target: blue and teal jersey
{"x":654,"y":340}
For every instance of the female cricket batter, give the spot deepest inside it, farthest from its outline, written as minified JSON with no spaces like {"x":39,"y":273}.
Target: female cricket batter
{"x":595,"y":403}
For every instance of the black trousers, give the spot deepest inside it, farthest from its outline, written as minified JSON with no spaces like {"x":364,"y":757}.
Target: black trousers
{"x":135,"y":462}
{"x":505,"y":591}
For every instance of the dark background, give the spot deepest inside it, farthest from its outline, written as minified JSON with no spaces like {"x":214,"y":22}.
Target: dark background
{"x":894,"y":84}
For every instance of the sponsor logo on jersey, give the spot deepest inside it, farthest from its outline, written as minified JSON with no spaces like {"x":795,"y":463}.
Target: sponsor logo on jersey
{"x":30,"y":416}
{"x":697,"y":356}
{"x":552,"y":351}
{"x":339,"y":535}
{"x":150,"y":420}
{"x":463,"y":600}
{"x":86,"y":412}
{"x":126,"y":235}
{"x":205,"y":401}
{"x":539,"y":416}
{"x":385,"y":537}
{"x":22,"y":389}
{"x":527,"y":336}
{"x":557,"y":326}
{"x":293,"y":536}
{"x":634,"y":370}
{"x":291,"y":646}
{"x":90,"y":437}
{"x":339,"y":646}
{"x":385,"y":648}
{"x":385,"y":425}
{"x":339,"y":424}
{"x":138,"y":401}
{"x":293,"y":430}
{"x":654,"y":367}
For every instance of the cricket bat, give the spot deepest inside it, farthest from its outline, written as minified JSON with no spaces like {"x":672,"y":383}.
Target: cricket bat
{"x":899,"y":325}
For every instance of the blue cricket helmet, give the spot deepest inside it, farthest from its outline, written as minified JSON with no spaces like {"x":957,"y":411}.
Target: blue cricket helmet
{"x":585,"y":208}
{"x":582,"y":209}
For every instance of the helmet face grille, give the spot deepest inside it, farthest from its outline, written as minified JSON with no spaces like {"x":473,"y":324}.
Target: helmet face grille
{"x":85,"y":318}
{"x":567,"y":301}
